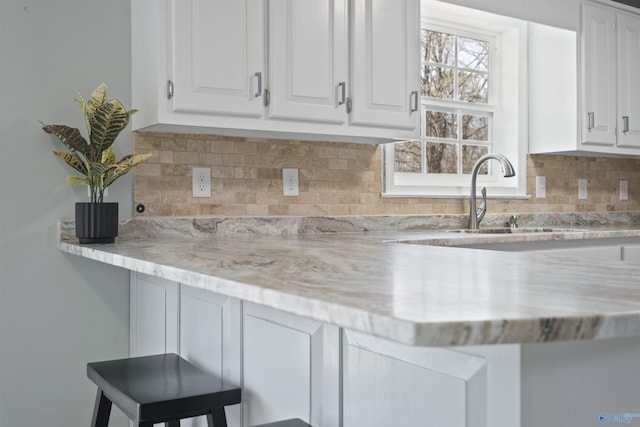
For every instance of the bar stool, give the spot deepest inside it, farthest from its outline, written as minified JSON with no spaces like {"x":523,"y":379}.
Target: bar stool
{"x":161,"y":388}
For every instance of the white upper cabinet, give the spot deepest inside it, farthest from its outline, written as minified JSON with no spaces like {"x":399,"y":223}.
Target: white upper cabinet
{"x":385,"y":70}
{"x":607,"y":100}
{"x":308,"y":60}
{"x":598,"y":75}
{"x":628,"y":82}
{"x":218,"y":53}
{"x":277,"y":68}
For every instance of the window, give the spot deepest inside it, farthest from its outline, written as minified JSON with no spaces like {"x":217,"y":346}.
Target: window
{"x":472,"y":90}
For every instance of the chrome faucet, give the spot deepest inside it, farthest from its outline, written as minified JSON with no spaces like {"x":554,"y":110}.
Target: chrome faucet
{"x":476,"y":215}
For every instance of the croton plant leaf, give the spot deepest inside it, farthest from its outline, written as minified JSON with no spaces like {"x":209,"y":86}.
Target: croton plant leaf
{"x":70,"y":137}
{"x":77,"y":180}
{"x":123,"y":166}
{"x":73,"y":161}
{"x":106,"y":123}
{"x":108,"y":156}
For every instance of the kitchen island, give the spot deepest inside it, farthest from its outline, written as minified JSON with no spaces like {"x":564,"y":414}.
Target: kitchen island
{"x":359,"y":329}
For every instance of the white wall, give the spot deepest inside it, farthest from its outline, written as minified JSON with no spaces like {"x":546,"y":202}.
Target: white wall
{"x":57,"y":311}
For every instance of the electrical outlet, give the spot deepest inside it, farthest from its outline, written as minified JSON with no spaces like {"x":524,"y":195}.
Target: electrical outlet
{"x":201,"y":184}
{"x":624,"y":190}
{"x":541,"y":187}
{"x":582,"y":189}
{"x":289,"y":182}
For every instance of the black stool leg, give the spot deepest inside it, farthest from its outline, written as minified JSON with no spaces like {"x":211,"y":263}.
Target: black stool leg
{"x":217,"y":418}
{"x":172,"y":423}
{"x":101,"y":410}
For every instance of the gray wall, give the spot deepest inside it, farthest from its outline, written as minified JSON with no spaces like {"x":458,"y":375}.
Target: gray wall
{"x":57,"y":311}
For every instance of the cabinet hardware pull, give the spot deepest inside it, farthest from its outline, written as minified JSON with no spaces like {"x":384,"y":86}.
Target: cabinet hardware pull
{"x":414,"y":101}
{"x":342,"y":88}
{"x":169,"y":89}
{"x":266,"y":98}
{"x":625,"y":124}
{"x":591,"y":120}
{"x":259,"y":92}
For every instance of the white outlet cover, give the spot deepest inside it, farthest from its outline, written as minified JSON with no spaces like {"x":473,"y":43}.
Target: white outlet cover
{"x":290,"y":182}
{"x":201,"y":184}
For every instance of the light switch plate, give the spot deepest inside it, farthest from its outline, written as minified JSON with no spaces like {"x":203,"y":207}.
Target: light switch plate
{"x":624,"y":190}
{"x":541,"y":187}
{"x":582,"y":189}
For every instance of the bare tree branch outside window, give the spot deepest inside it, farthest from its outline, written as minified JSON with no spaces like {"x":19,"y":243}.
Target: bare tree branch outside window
{"x":454,"y":68}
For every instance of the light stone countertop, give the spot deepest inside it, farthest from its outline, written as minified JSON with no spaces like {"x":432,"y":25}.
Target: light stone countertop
{"x":415,"y":294}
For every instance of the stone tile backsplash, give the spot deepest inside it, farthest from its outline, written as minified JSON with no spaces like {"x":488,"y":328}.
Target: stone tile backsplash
{"x":342,"y":179}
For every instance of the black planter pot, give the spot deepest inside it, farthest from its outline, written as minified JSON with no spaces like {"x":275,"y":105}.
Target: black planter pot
{"x":96,"y":222}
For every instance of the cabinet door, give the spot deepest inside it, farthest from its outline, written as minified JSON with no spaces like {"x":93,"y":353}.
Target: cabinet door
{"x":154,"y":315}
{"x":385,"y":62}
{"x":308,"y":60}
{"x":210,"y":339}
{"x":391,"y":384}
{"x":598,"y":75}
{"x":631,"y":254}
{"x":218,"y":57}
{"x":291,"y":368}
{"x":628,"y":82}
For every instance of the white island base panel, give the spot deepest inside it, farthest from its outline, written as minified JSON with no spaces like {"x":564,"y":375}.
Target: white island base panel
{"x":292,"y":366}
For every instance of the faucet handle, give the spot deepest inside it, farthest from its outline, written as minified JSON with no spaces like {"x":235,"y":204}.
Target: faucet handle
{"x":483,"y":207}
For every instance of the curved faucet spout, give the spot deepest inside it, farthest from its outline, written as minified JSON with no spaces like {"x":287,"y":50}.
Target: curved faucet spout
{"x":508,"y":171}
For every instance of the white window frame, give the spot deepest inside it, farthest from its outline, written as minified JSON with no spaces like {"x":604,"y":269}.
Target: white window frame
{"x":507,"y":103}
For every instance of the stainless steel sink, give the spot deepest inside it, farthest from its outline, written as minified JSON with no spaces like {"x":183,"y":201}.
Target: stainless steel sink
{"x":507,"y":230}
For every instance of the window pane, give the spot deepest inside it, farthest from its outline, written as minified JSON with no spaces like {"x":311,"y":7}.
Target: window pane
{"x":442,"y":158}
{"x":438,"y":82}
{"x":438,"y":47}
{"x":440,"y":124}
{"x":473,"y":87}
{"x":470,"y":155}
{"x":407,"y":157}
{"x":473,"y":54}
{"x":475,"y":127}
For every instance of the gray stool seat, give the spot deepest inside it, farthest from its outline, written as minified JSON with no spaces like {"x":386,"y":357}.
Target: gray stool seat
{"x":161,"y":388}
{"x":286,"y":423}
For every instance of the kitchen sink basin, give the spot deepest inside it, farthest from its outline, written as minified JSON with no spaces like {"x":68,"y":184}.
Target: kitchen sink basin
{"x":506,"y":230}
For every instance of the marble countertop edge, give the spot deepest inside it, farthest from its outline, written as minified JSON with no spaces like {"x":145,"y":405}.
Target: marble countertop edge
{"x":579,"y":312}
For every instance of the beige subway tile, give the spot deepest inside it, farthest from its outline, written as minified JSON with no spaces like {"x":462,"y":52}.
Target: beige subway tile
{"x":257,"y":210}
{"x":184,"y":157}
{"x":245,"y":173}
{"x":244,"y":147}
{"x":338,"y":164}
{"x":222,"y":146}
{"x":234,"y":210}
{"x":211,"y":159}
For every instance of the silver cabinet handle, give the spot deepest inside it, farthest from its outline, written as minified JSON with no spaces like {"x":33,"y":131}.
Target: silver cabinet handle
{"x":342,"y":90}
{"x":414,"y":101}
{"x":625,"y":124}
{"x":591,"y":120}
{"x":259,"y":91}
{"x":169,"y":89}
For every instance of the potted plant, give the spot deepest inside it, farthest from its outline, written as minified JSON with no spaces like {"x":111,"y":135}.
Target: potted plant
{"x":96,"y":221}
